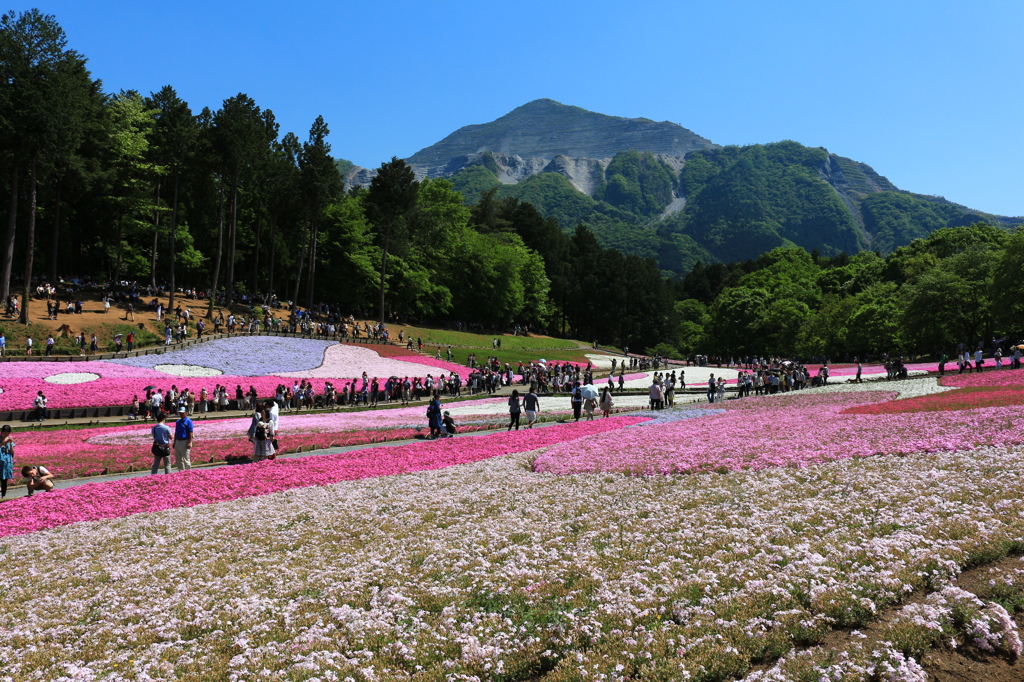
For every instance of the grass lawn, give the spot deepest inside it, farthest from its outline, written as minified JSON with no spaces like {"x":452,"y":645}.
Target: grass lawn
{"x":482,"y":341}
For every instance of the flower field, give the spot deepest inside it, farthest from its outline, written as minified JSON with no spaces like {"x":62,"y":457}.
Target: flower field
{"x":489,"y":571}
{"x":968,"y":392}
{"x":538,"y":554}
{"x":260,"y":361}
{"x":794,"y":429}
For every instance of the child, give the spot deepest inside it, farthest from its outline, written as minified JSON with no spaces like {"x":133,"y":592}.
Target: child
{"x":38,"y":479}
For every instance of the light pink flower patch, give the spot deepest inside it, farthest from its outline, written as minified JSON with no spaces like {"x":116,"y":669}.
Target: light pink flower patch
{"x":346,"y":360}
{"x":792,"y":430}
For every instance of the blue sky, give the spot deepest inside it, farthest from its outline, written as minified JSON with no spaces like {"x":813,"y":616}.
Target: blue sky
{"x":931,"y":94}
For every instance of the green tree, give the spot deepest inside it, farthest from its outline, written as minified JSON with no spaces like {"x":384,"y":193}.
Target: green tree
{"x":321,"y":184}
{"x":392,"y":196}
{"x":951,"y":303}
{"x":174,"y":139}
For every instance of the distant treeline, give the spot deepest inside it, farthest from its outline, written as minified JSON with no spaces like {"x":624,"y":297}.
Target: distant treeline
{"x":957,"y":286}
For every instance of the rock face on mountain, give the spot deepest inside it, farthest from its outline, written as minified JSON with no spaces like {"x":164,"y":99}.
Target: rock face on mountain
{"x":545,"y":136}
{"x":545,"y":129}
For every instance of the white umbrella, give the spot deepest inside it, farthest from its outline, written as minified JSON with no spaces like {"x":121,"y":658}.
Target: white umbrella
{"x":588,"y":391}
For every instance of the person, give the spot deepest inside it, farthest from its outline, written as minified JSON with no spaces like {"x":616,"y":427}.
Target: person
{"x":434,"y":415}
{"x":712,"y":388}
{"x":654,"y":394}
{"x":39,"y":478}
{"x":449,"y":424}
{"x":130,"y":311}
{"x":183,"y":438}
{"x":6,"y":459}
{"x":531,"y":403}
{"x":589,"y":404}
{"x":161,"y":449}
{"x":40,"y":404}
{"x":28,"y":346}
{"x":860,"y":370}
{"x":576,"y":399}
{"x":49,"y":345}
{"x":131,"y":341}
{"x":3,"y":344}
{"x":606,"y":401}
{"x":513,"y":410}
{"x":261,"y":435}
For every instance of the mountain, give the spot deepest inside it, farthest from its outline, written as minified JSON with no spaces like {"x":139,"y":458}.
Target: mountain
{"x":545,"y":129}
{"x":660,"y":190}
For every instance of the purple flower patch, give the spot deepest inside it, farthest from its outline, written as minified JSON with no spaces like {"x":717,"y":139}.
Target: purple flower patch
{"x":245,"y":356}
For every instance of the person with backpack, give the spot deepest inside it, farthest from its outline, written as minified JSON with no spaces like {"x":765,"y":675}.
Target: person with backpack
{"x":6,"y":459}
{"x":161,"y":448}
{"x":38,"y":478}
{"x":261,"y":435}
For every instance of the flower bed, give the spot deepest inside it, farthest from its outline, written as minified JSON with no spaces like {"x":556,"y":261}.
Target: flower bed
{"x":149,"y":494}
{"x":971,"y":398}
{"x":790,"y":430}
{"x":1004,"y":378}
{"x":115,"y":449}
{"x":491,"y":571}
{"x":243,"y":356}
{"x":964,"y":392}
{"x":343,"y":360}
{"x":117,"y":381}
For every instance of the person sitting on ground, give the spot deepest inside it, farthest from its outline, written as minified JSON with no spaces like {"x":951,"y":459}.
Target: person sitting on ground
{"x":39,"y":478}
{"x":449,"y":424}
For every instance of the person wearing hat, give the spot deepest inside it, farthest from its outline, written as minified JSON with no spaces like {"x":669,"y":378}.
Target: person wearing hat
{"x":183,"y":435}
{"x":449,"y":424}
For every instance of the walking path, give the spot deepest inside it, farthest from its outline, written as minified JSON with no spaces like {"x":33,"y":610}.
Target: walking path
{"x":60,"y":484}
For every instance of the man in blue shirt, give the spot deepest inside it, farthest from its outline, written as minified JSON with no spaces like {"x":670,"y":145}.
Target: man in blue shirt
{"x":183,"y":440}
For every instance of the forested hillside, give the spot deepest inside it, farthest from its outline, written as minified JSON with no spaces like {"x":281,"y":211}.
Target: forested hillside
{"x":628,"y":181}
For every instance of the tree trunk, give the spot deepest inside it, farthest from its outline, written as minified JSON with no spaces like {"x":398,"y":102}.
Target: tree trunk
{"x":156,"y":236}
{"x":12,"y":224}
{"x":230,"y":284}
{"x":273,"y":254}
{"x":174,"y":230}
{"x":56,"y":233}
{"x":312,"y":263}
{"x":254,"y":279}
{"x":31,"y":246}
{"x":384,"y":267}
{"x":302,"y":258}
{"x":212,"y":295}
